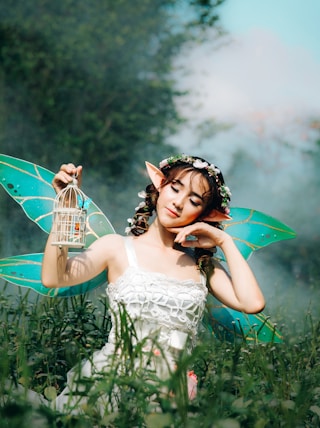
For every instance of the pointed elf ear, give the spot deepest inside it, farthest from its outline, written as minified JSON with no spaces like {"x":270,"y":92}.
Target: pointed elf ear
{"x":216,"y":215}
{"x":155,"y":174}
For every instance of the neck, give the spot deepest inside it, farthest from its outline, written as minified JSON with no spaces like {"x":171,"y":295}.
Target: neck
{"x":161,"y":234}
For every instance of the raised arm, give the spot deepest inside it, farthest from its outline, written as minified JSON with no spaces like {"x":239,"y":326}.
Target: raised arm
{"x":57,"y":269}
{"x":237,"y":289}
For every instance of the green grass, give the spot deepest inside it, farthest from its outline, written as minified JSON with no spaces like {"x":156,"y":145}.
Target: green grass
{"x":240,"y":384}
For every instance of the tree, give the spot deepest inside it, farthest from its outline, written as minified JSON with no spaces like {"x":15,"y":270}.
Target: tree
{"x":89,"y":80}
{"x":92,"y":82}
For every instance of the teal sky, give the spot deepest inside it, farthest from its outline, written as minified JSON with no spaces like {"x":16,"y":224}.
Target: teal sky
{"x":268,"y":71}
{"x":265,"y":80}
{"x":295,"y":22}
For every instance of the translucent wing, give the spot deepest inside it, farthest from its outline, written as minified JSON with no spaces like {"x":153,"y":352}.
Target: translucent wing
{"x":25,"y":271}
{"x":252,"y":230}
{"x":30,"y":186}
{"x":231,"y":325}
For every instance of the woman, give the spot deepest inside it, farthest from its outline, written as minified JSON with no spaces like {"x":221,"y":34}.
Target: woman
{"x":161,"y":273}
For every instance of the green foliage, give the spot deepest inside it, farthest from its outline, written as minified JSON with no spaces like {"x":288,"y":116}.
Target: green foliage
{"x":52,"y":336}
{"x":240,"y":384}
{"x":73,"y":72}
{"x":92,"y":82}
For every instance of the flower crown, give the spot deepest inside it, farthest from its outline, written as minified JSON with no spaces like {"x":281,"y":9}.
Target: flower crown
{"x":211,"y":170}
{"x":142,"y":209}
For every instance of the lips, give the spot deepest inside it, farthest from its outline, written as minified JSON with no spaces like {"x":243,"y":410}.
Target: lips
{"x":172,"y":213}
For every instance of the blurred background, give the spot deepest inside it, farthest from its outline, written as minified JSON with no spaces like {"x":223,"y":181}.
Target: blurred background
{"x":111,"y":84}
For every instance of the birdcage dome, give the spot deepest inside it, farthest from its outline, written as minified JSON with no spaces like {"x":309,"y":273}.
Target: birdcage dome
{"x":70,"y":217}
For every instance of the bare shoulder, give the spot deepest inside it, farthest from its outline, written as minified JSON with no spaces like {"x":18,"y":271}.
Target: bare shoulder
{"x":107,"y":252}
{"x":110,"y":249}
{"x":109,"y":243}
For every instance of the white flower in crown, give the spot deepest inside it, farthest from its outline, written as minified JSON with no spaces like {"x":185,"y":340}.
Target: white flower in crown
{"x":142,"y":194}
{"x":127,"y":230}
{"x":199,"y":164}
{"x":213,"y":168}
{"x":141,"y":205}
{"x":163,"y":163}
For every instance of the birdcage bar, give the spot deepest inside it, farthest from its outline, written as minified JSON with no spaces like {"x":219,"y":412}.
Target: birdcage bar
{"x":69,"y":217}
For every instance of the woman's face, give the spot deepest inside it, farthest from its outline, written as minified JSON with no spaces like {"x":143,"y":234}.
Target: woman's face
{"x":181,"y":201}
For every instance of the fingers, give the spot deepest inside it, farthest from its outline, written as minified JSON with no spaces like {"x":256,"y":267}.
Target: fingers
{"x":182,"y":237}
{"x":66,"y":175}
{"x":190,"y":242}
{"x":189,"y":233}
{"x":186,"y":236}
{"x":198,"y":234}
{"x":71,"y":169}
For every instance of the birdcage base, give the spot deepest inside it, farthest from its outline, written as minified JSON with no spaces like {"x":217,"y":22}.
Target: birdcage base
{"x":69,"y":227}
{"x":67,"y":244}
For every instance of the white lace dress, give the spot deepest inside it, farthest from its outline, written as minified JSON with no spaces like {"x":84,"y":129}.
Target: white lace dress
{"x":165,"y":314}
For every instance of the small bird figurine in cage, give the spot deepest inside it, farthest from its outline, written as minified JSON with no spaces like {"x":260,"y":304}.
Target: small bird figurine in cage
{"x":70,"y":217}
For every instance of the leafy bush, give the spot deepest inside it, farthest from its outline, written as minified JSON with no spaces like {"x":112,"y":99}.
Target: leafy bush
{"x":240,"y":384}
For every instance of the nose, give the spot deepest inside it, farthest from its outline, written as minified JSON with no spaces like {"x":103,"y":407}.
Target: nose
{"x":178,"y":202}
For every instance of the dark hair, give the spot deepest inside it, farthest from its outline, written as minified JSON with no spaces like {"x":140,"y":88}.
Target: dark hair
{"x":212,"y":198}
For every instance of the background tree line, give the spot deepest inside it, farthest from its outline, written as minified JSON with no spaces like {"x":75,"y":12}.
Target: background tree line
{"x":92,"y":83}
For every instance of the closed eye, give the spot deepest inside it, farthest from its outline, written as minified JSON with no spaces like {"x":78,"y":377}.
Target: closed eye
{"x":195,"y":204}
{"x":175,"y":186}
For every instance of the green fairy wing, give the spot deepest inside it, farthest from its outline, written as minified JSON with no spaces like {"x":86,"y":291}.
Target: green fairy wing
{"x":252,"y":230}
{"x":227,"y":324}
{"x":30,"y":186}
{"x":25,"y":271}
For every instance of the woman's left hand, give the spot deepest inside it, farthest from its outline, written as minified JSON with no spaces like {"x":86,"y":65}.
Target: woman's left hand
{"x":200,"y":235}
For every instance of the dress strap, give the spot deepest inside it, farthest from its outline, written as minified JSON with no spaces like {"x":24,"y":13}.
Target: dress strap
{"x":132,"y":258}
{"x":131,"y":254}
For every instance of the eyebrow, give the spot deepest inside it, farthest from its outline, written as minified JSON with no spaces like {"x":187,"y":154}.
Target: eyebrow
{"x":176,"y":180}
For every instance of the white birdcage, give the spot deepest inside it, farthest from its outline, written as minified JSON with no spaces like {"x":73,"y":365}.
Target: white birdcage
{"x":70,"y":215}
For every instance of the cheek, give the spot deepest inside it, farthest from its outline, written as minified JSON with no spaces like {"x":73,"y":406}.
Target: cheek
{"x":195,"y":212}
{"x":165,"y":192}
{"x":161,"y":195}
{"x":162,"y":198}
